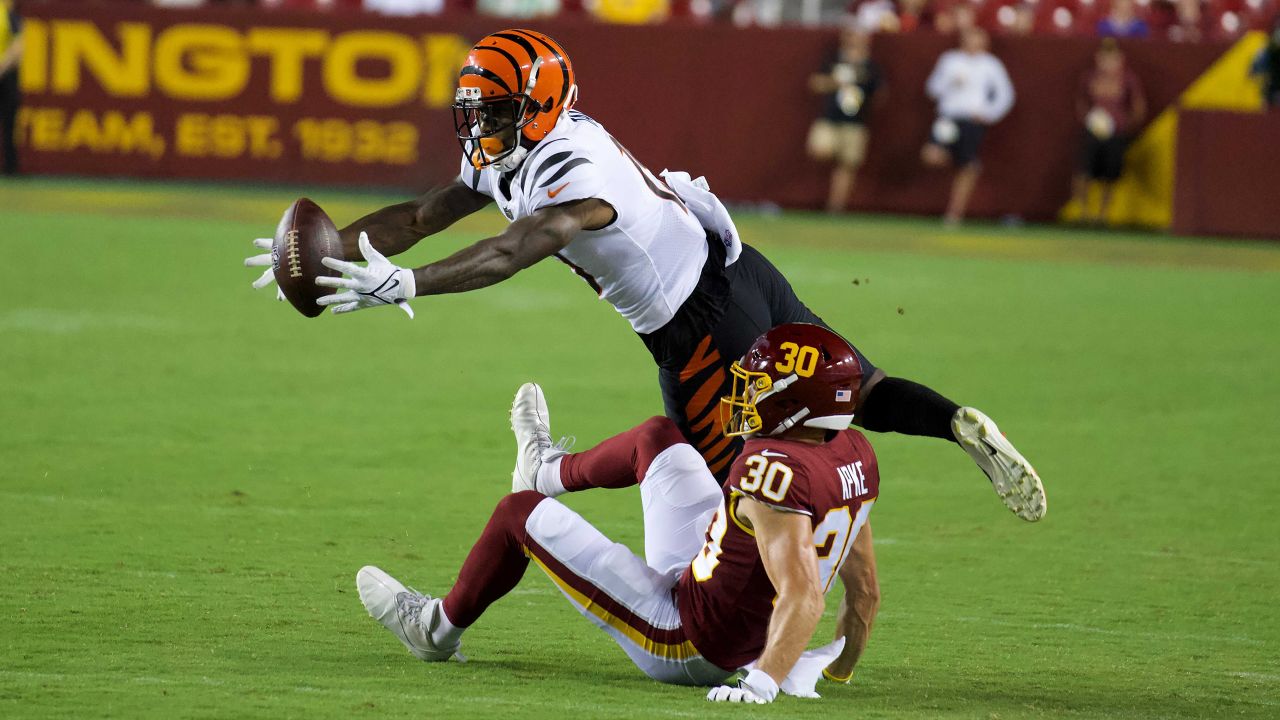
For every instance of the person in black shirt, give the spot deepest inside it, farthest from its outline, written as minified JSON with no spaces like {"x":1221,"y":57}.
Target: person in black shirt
{"x":840,"y":134}
{"x":1266,"y":65}
{"x":10,"y":55}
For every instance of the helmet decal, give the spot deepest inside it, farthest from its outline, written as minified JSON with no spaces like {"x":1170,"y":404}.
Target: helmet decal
{"x":797,"y":374}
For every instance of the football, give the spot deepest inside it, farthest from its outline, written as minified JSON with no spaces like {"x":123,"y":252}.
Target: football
{"x":304,"y":236}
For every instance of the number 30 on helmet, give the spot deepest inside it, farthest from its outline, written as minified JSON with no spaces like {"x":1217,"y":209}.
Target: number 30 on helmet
{"x":512,"y":90}
{"x":796,"y":374}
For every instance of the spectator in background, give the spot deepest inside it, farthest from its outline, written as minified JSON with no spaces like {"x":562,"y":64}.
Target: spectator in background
{"x":1190,"y":25}
{"x":973,"y":92}
{"x":404,"y":8}
{"x":910,"y":15}
{"x":1266,"y":66}
{"x":519,"y":8}
{"x":849,"y":82}
{"x":630,"y":12}
{"x":1019,"y":19}
{"x":10,"y":95}
{"x":766,"y":13}
{"x":1123,"y":22}
{"x":1111,"y":106}
{"x":958,"y":17}
{"x":876,"y":16}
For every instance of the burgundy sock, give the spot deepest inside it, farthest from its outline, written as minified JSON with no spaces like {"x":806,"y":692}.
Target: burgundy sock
{"x":496,"y":563}
{"x":622,"y":460}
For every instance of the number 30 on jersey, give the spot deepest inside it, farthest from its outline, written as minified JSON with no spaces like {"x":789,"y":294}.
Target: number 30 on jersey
{"x":831,"y":537}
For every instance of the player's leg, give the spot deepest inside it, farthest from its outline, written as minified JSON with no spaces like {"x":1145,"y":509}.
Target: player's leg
{"x":891,"y":404}
{"x":678,"y":492}
{"x":604,"y":580}
{"x":964,"y":156}
{"x":852,"y":148}
{"x":618,"y":592}
{"x":962,"y":185}
{"x":680,"y":497}
{"x":1111,"y":166}
{"x":692,"y":395}
{"x":621,"y":461}
{"x":431,"y":627}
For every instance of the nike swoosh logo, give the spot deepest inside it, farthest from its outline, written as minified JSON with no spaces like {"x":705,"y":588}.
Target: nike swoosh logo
{"x":556,"y":191}
{"x":770,"y":453}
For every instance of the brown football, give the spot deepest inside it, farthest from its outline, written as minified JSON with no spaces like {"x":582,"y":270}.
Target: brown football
{"x":304,"y":236}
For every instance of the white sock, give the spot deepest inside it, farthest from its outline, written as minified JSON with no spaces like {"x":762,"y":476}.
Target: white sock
{"x":548,"y":480}
{"x":444,"y":634}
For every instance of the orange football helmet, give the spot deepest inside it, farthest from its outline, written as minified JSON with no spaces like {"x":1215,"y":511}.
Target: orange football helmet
{"x":511,"y":93}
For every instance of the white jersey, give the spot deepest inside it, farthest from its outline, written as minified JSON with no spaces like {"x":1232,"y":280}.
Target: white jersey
{"x":970,"y":86}
{"x":648,"y":260}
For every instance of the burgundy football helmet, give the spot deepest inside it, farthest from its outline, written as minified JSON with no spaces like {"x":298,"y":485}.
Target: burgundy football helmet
{"x":795,"y":374}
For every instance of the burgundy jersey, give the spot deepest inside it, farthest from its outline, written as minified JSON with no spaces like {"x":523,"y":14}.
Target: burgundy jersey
{"x":725,"y":596}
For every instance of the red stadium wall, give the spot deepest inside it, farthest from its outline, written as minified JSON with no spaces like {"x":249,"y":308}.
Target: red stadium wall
{"x":115,"y":89}
{"x":1227,"y":174}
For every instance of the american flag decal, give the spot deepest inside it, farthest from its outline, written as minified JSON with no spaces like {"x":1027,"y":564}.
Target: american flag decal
{"x":844,"y":395}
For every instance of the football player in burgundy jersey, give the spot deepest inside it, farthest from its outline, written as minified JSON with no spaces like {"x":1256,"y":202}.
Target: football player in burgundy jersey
{"x":733,"y":577}
{"x":661,"y":249}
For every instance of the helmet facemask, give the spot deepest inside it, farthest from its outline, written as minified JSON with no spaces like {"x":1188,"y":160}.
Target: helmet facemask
{"x":739,"y":414}
{"x":491,"y":129}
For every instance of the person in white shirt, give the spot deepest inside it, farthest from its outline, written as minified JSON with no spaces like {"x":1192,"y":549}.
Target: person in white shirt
{"x":973,"y":92}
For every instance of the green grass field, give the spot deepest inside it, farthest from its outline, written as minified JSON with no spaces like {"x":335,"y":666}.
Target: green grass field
{"x":191,"y":473}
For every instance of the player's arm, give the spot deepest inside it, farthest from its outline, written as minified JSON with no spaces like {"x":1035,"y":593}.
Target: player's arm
{"x":859,"y":606}
{"x":786,"y":547}
{"x":939,"y":79}
{"x":396,"y":228}
{"x":1002,"y":96}
{"x":823,"y":83}
{"x":490,"y":261}
{"x":525,"y":242}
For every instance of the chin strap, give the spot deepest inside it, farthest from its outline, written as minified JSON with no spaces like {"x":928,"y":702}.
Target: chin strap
{"x":512,"y":161}
{"x":791,"y":422}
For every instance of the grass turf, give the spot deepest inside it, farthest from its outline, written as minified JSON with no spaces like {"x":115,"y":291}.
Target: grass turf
{"x":190,"y":474}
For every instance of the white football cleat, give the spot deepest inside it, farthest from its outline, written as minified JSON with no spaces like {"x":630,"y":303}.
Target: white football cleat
{"x":1013,"y":478}
{"x":531,"y":422}
{"x":408,"y":614}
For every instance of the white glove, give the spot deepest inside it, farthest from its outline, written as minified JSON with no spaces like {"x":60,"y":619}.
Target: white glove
{"x":268,"y":276}
{"x":757,"y":688}
{"x":803,"y":679}
{"x":708,"y":209}
{"x":377,"y":283}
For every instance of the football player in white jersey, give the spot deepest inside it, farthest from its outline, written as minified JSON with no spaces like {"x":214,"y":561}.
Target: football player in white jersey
{"x":663,"y":251}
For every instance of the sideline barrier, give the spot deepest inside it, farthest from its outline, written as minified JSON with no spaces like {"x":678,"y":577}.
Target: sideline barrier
{"x":243,"y":94}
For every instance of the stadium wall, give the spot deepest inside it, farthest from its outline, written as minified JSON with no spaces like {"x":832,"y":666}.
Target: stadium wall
{"x":1227,"y":174}
{"x":242,"y":94}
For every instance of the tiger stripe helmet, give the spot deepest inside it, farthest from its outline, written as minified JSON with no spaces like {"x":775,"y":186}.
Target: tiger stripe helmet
{"x":512,"y":91}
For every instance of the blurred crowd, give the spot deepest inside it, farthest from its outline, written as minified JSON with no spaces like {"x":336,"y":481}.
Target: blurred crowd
{"x":1183,"y":20}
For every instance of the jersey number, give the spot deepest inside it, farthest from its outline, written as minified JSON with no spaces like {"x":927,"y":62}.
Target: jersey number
{"x":831,"y":538}
{"x":772,"y":479}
